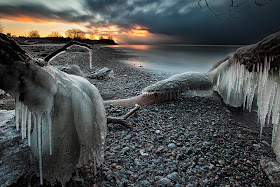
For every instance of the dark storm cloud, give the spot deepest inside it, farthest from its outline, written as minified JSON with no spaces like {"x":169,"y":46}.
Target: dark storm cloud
{"x":40,"y":11}
{"x":185,"y":19}
{"x":182,"y":19}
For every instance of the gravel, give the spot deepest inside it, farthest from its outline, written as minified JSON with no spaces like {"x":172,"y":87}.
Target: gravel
{"x":192,"y":141}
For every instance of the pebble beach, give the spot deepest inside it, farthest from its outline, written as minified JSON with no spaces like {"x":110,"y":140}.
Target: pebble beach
{"x":192,"y":141}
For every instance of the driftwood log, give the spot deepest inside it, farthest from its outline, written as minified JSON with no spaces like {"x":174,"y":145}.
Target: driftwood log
{"x":256,"y":53}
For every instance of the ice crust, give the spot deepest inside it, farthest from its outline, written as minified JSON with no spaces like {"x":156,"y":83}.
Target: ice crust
{"x":192,"y":84}
{"x":239,"y":87}
{"x":64,"y":120}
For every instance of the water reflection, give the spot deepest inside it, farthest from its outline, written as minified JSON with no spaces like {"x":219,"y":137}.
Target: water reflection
{"x":176,"y":58}
{"x":138,"y":47}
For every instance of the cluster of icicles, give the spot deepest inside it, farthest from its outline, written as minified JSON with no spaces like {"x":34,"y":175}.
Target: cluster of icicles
{"x":23,"y":114}
{"x":238,"y":87}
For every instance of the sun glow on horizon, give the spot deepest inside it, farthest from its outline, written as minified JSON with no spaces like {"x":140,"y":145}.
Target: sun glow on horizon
{"x":20,"y":28}
{"x":139,"y":31}
{"x":21,"y":25}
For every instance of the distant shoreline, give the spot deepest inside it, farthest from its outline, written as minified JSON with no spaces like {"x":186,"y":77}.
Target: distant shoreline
{"x":58,"y":40}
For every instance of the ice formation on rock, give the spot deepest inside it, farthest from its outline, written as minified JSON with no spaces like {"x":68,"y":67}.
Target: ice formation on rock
{"x":63,"y":115}
{"x":245,"y":76}
{"x":193,"y":84}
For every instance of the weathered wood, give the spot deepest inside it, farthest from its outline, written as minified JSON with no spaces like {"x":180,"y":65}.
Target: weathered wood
{"x":121,"y":120}
{"x":137,"y":107}
{"x":256,"y":53}
{"x":11,"y":52}
{"x":117,"y":120}
{"x":140,"y":100}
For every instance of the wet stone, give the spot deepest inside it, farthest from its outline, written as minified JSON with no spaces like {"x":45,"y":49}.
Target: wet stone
{"x":257,"y":146}
{"x":165,"y":182}
{"x":157,"y":131}
{"x":173,"y":176}
{"x":171,"y":146}
{"x":206,"y":144}
{"x":190,"y":151}
{"x":127,"y":137}
{"x":192,"y":178}
{"x":137,"y":162}
{"x":109,"y":177}
{"x":125,"y":149}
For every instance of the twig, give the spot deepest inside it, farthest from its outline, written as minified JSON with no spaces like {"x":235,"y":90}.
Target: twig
{"x":121,"y":120}
{"x":137,"y":107}
{"x":218,"y":16}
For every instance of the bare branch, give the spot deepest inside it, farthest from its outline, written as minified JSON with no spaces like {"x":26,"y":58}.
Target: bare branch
{"x":50,"y":56}
{"x":261,"y":3}
{"x":233,"y":9}
{"x":121,"y":120}
{"x":137,"y":107}
{"x":218,"y":16}
{"x":199,"y":3}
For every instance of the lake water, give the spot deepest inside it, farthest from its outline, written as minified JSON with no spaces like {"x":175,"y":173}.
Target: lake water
{"x":176,"y":58}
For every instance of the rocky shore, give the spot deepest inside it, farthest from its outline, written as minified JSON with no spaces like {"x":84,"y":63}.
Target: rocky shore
{"x":192,"y":141}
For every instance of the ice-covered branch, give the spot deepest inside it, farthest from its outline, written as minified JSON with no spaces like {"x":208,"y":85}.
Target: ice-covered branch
{"x":55,"y":53}
{"x":252,"y":73}
{"x":66,"y":112}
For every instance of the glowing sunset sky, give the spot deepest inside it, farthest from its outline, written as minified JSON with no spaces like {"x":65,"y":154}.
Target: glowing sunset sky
{"x":144,"y":21}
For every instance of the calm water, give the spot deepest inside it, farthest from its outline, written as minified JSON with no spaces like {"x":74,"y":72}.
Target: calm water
{"x":176,"y":58}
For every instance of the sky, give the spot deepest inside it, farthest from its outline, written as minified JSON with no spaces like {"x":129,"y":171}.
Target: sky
{"x":146,"y":21}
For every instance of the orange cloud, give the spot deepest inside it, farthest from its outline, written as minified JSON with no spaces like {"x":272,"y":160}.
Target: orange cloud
{"x":139,"y":31}
{"x":27,"y":19}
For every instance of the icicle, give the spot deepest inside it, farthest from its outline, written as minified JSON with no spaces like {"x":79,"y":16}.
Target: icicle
{"x":23,"y":120}
{"x":17,"y":111}
{"x":271,"y":101}
{"x":49,"y":121}
{"x":29,"y":128}
{"x":90,"y":58}
{"x":94,"y":163}
{"x":39,"y":142}
{"x":276,"y":105}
